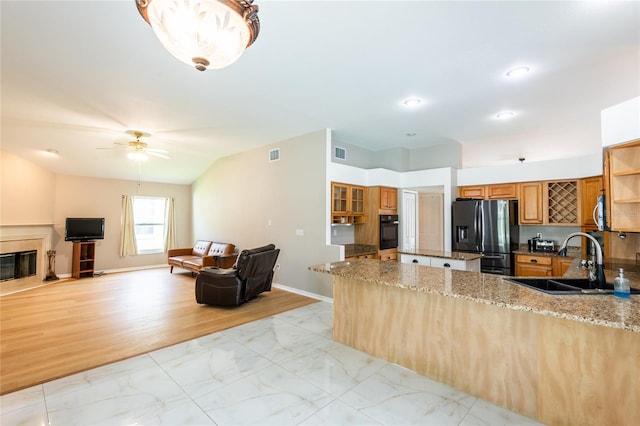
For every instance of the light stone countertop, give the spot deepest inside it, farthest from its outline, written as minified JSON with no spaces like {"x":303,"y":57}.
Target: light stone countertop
{"x":456,"y":255}
{"x":605,"y":310}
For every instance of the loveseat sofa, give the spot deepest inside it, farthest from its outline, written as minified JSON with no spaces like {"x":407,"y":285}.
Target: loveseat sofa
{"x":202,"y":254}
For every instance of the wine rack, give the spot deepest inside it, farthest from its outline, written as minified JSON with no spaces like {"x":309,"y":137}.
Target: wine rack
{"x":563,"y":203}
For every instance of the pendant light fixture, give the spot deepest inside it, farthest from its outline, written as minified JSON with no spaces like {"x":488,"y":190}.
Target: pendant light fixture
{"x":209,"y":34}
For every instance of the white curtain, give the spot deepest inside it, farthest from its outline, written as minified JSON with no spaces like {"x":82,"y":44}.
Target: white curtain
{"x":128,"y":236}
{"x":169,"y":226}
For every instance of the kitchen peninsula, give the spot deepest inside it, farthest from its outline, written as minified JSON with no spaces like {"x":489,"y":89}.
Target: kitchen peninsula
{"x":557,"y":359}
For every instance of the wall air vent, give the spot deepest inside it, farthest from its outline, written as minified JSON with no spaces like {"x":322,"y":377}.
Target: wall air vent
{"x":341,"y":153}
{"x":274,"y":154}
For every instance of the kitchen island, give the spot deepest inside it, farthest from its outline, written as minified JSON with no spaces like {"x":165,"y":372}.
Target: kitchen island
{"x":557,"y":359}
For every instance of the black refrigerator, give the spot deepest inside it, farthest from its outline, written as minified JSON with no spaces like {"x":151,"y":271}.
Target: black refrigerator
{"x":488,"y":227}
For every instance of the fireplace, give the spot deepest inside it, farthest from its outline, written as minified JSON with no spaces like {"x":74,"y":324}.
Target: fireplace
{"x":19,"y":264}
{"x":23,"y":256}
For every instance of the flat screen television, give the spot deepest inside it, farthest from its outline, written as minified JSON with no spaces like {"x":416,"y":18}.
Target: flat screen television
{"x":84,"y":229}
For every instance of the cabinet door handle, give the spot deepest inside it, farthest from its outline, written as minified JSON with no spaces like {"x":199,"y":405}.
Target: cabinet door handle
{"x":534,"y":260}
{"x":446,"y":265}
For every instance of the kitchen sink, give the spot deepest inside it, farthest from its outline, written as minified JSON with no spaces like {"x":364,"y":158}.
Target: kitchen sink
{"x":568,"y":286}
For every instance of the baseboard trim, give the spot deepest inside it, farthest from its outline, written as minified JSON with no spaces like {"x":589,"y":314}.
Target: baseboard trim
{"x":302,"y":292}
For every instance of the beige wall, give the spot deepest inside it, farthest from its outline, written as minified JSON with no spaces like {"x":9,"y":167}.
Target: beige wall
{"x":27,"y":192}
{"x":96,"y":197}
{"x":32,"y":195}
{"x":250,"y":202}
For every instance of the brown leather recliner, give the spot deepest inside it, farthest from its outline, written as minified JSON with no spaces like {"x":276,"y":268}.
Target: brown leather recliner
{"x":252,"y":275}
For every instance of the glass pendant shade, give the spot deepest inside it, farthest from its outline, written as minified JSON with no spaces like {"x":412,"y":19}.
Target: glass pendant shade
{"x":209,"y":34}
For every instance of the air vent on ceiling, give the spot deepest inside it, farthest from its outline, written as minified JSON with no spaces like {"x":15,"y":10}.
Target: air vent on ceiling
{"x":274,"y":154}
{"x":341,"y":153}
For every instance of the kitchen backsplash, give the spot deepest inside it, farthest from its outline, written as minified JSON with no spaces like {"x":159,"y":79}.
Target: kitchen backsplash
{"x":553,"y":233}
{"x":342,"y":234}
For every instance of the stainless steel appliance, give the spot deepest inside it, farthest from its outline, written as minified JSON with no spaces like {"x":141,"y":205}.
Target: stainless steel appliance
{"x":489,"y":227}
{"x":543,"y":245}
{"x":388,"y":231}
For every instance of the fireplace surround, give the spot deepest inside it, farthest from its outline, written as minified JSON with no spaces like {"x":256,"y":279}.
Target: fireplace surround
{"x":31,"y":243}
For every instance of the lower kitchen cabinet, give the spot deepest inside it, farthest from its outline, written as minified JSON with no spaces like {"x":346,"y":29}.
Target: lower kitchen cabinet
{"x":389,"y":254}
{"x":531,"y":265}
{"x":362,"y":256}
{"x":442,"y":262}
{"x":561,"y":265}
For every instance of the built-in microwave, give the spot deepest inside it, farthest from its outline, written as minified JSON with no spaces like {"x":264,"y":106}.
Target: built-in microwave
{"x":388,"y":231}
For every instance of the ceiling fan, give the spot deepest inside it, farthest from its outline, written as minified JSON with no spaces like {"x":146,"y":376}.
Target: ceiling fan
{"x":138,"y":150}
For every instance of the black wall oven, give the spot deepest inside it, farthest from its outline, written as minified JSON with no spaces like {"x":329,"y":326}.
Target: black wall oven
{"x":388,"y":231}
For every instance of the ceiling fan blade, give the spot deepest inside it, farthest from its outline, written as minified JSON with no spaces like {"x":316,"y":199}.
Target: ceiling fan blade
{"x":112,"y":147}
{"x":156,"y":154}
{"x":157,"y":150}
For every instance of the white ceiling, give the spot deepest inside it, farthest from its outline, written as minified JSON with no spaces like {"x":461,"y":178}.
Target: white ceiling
{"x":77,"y":75}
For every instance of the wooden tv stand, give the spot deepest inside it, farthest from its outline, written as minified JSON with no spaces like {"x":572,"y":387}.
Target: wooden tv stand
{"x":83,"y":261}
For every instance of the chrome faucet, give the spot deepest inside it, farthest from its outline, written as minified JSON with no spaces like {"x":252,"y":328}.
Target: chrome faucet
{"x":600,"y":278}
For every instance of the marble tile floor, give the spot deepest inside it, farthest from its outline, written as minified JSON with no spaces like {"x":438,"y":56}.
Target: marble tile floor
{"x":282,"y":370}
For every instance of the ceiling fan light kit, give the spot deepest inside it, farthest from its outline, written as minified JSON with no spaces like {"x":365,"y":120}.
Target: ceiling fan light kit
{"x":208,"y":34}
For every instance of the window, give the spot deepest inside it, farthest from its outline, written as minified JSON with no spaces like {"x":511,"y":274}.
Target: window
{"x":149,"y":219}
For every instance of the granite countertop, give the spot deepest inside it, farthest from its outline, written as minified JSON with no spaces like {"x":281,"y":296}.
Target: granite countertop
{"x":443,"y":254}
{"x":359,"y":249}
{"x":605,"y":310}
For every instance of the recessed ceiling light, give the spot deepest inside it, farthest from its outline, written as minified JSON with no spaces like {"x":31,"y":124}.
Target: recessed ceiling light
{"x":412,"y":102}
{"x":518,"y":71}
{"x":505,"y":114}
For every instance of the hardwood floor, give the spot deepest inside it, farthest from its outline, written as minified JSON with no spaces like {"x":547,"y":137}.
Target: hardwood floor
{"x":68,"y":327}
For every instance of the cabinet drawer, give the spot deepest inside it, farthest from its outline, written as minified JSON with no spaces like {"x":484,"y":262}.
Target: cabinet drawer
{"x":537,"y":260}
{"x":448,"y":263}
{"x":420,"y":260}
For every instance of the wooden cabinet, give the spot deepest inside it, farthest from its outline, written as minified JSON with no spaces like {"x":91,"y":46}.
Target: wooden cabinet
{"x":560,"y":265}
{"x":549,"y":203}
{"x":562,"y":203}
{"x":502,"y":191}
{"x":83,"y":260}
{"x":530,"y":205}
{"x":590,"y":189}
{"x":389,"y":200}
{"x":347,"y":203}
{"x":477,"y":192}
{"x":362,"y":256}
{"x":622,"y":165}
{"x":533,"y":266}
{"x":369,"y":233}
{"x":389,"y":254}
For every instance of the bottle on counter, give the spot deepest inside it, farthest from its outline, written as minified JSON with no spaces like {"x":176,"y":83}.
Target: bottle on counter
{"x":621,"y":286}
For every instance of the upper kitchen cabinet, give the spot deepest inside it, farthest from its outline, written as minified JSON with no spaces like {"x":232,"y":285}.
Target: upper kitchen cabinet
{"x":562,"y":203}
{"x":622,"y":171}
{"x":502,"y":191}
{"x":347,"y":203}
{"x":388,"y":200}
{"x":530,"y":204}
{"x":591,"y":188}
{"x":549,"y":203}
